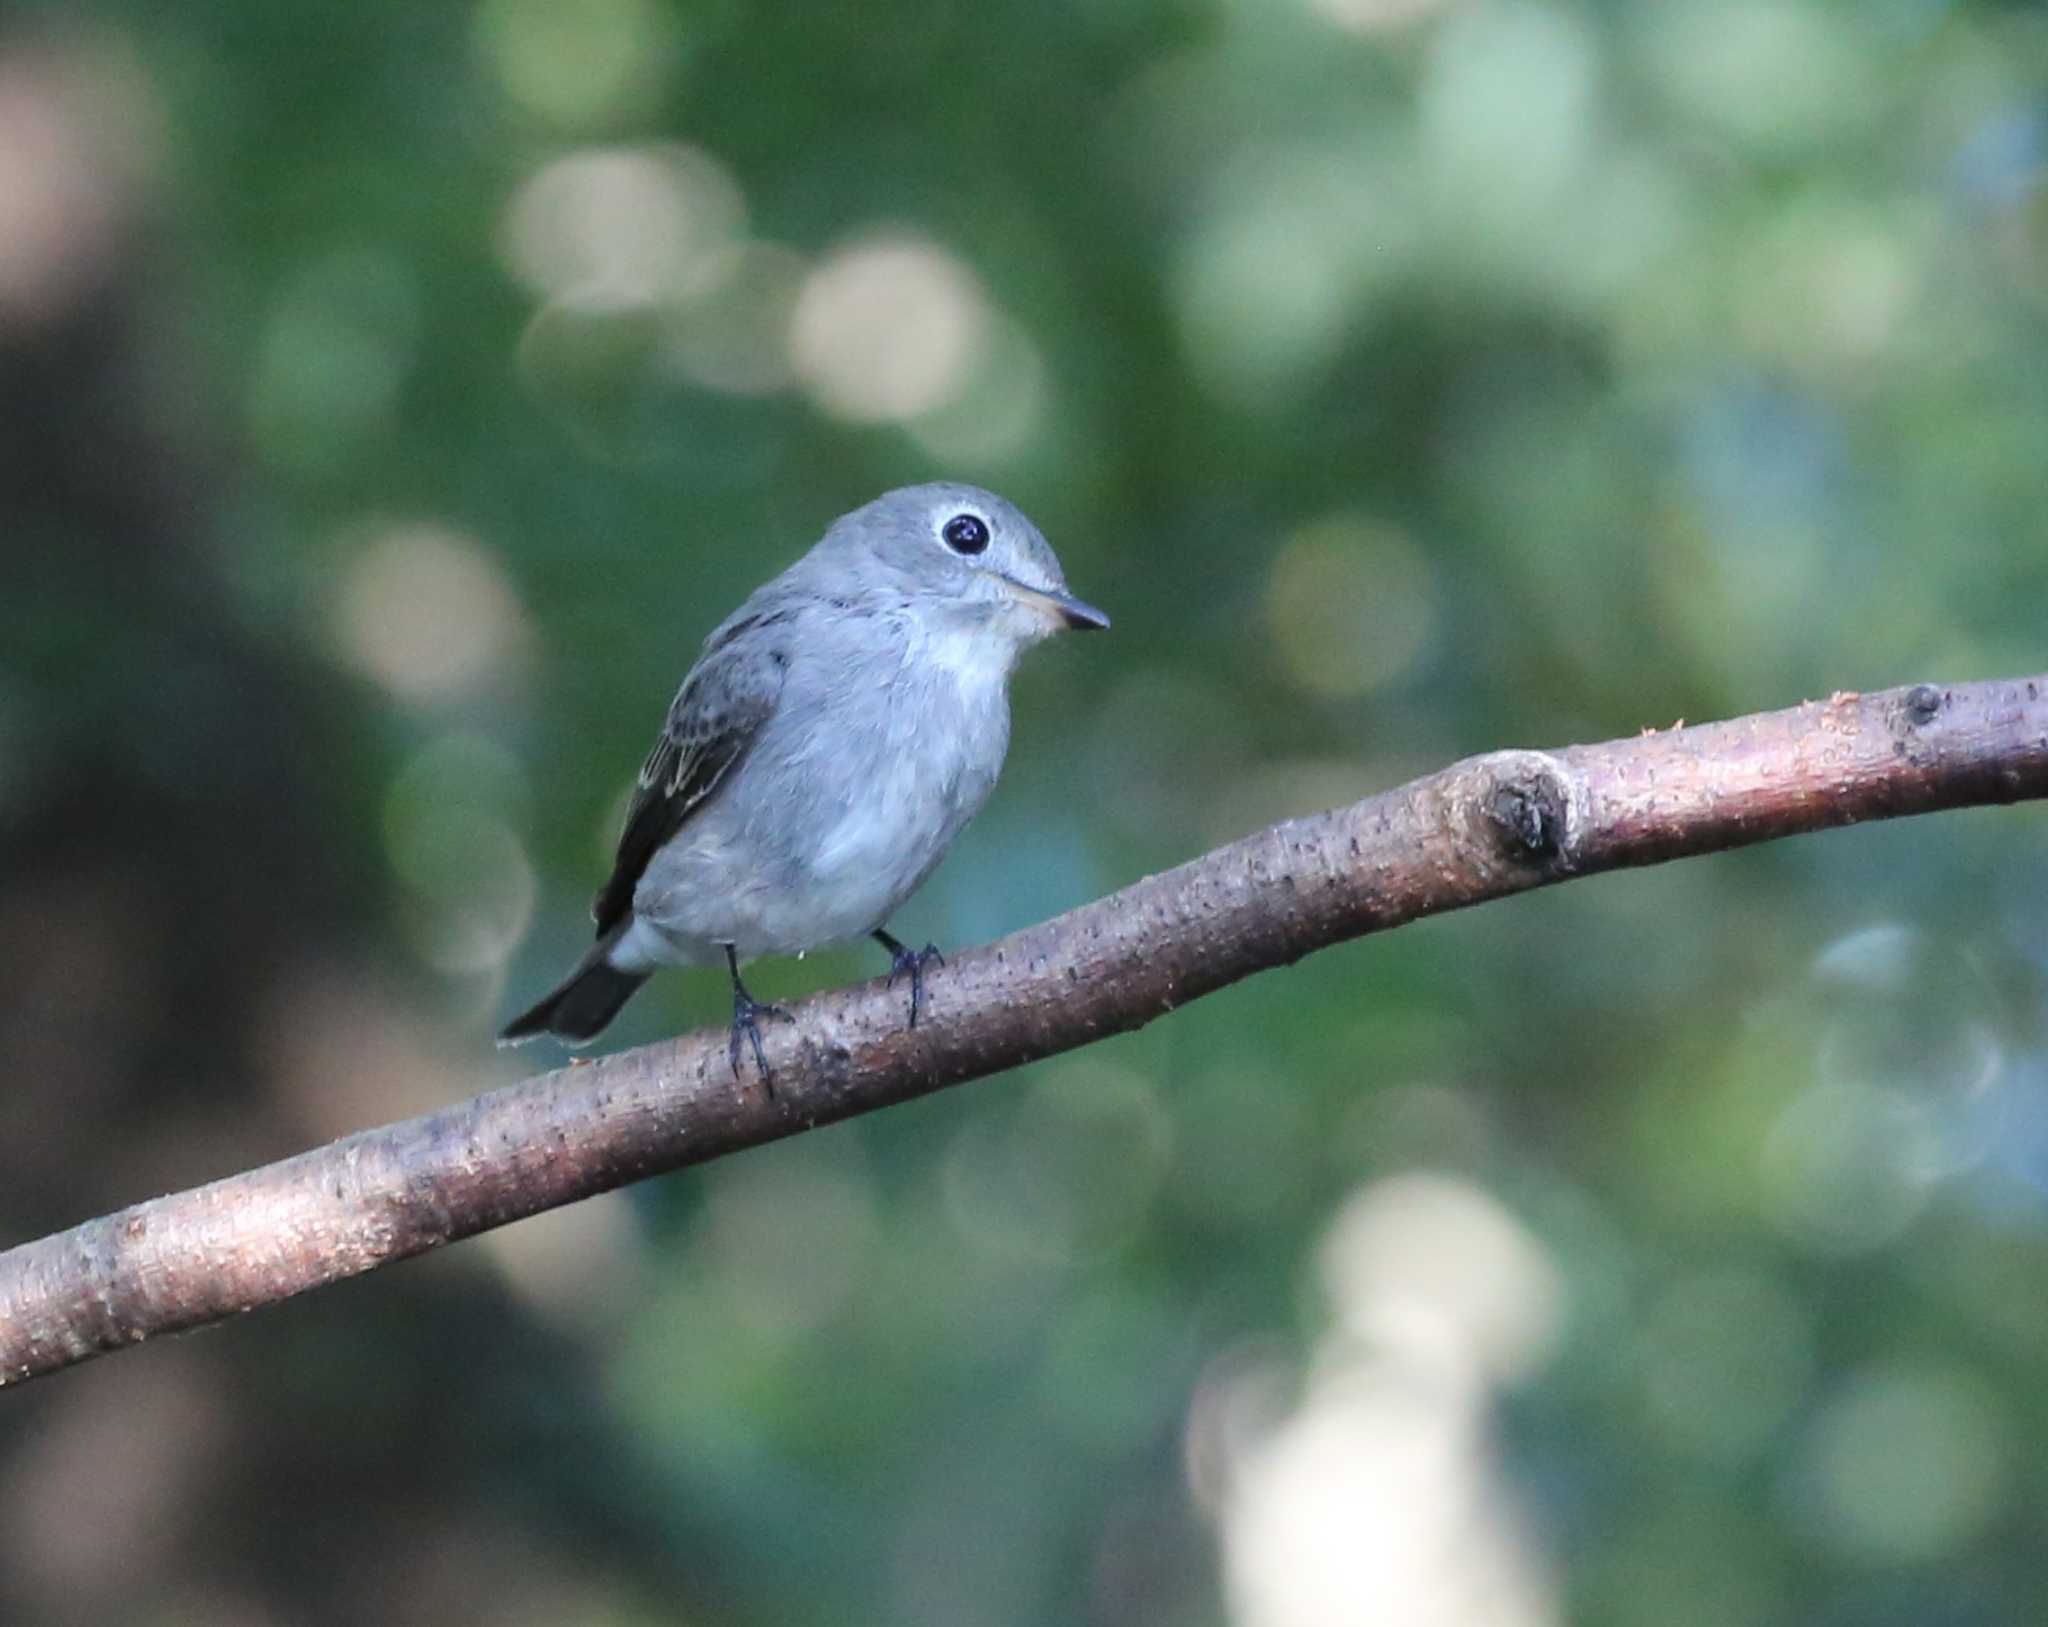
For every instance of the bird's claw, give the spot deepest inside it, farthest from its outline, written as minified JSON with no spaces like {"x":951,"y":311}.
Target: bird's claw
{"x":745,"y":1025}
{"x":914,"y":961}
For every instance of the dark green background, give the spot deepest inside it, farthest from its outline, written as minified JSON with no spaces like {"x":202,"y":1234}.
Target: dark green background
{"x":1407,"y":381}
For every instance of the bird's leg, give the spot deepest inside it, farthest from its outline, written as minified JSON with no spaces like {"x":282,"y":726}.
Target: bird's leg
{"x":745,"y":1009}
{"x":904,"y":959}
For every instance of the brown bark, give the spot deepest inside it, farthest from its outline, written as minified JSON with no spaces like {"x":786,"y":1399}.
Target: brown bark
{"x":1480,"y":829}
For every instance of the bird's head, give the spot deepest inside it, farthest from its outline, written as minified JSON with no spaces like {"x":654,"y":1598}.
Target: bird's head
{"x":962,"y":554}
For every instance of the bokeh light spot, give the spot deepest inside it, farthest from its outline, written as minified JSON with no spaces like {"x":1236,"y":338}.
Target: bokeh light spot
{"x":1376,"y":16}
{"x":1435,"y":1265}
{"x":1916,"y":1015}
{"x":1350,"y":605}
{"x":1907,"y":1464}
{"x":336,"y":349}
{"x":470,"y":883}
{"x":578,"y":62}
{"x":998,"y":410}
{"x":1376,"y":1504}
{"x":78,"y":132}
{"x":617,"y":227}
{"x":1769,"y":72}
{"x":1828,"y":287}
{"x":1375,"y":1498}
{"x":887,"y":329}
{"x":1726,"y":1356}
{"x":426,"y":611}
{"x":1507,"y":117}
{"x":1261,"y":307}
{"x":1291,"y":243}
{"x":1842,"y":1168}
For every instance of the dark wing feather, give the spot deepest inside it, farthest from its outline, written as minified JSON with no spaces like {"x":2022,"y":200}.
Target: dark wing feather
{"x":714,"y":719}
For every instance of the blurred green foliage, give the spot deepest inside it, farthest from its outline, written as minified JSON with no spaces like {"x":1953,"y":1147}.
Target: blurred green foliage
{"x":1407,"y":379}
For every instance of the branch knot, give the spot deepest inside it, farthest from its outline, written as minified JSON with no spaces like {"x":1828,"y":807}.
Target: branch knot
{"x":1529,"y":805}
{"x":1922,"y":705}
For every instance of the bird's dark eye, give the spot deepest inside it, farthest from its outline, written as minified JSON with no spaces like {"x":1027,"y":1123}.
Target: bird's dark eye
{"x":966,"y":533}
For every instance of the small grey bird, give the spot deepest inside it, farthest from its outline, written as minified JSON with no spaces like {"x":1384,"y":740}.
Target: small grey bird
{"x":834,"y":736}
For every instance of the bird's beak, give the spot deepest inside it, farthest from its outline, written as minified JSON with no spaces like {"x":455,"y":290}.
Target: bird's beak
{"x":1061,"y":608}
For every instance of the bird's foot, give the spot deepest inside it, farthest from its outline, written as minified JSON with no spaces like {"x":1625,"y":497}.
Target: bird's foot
{"x":902,"y":960}
{"x":746,"y":1012}
{"x":746,"y":1015}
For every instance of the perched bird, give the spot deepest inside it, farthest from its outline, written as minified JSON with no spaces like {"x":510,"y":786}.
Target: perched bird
{"x":834,"y":736}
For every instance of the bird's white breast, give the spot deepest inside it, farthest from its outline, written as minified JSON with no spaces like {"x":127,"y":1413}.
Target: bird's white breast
{"x":880,"y":750}
{"x":930,"y":764}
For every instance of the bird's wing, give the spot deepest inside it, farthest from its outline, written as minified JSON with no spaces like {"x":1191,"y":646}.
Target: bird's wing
{"x":716,"y":715}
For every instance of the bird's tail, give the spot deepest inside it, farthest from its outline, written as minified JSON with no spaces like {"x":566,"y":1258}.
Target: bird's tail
{"x":582,"y":1004}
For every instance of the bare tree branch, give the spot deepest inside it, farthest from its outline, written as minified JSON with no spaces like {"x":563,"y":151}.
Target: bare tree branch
{"x":1478,"y":830}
